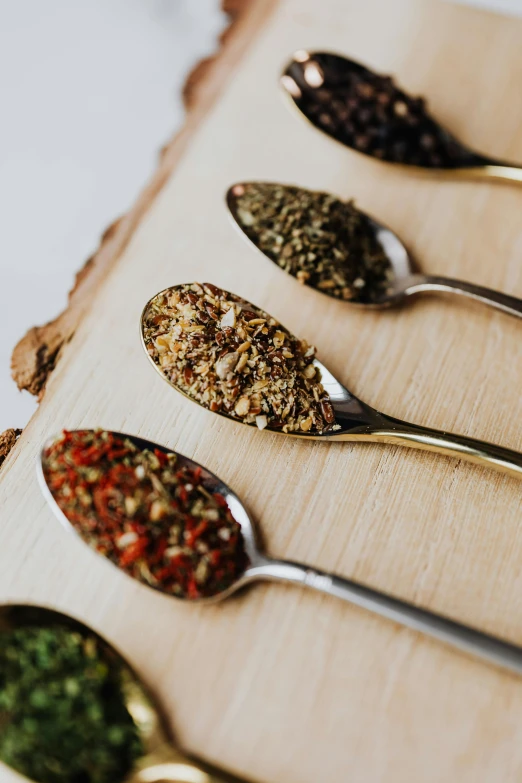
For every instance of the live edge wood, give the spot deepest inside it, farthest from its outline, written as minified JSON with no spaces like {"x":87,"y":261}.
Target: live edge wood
{"x":279,"y":684}
{"x":37,"y":353}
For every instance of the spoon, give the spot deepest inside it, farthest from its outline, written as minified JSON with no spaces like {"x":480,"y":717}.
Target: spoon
{"x":163,"y":762}
{"x":401,"y":279}
{"x":370,"y":114}
{"x":352,"y":419}
{"x":260,"y":567}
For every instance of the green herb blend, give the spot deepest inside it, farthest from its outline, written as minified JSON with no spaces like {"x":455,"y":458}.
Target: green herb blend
{"x":63,"y":717}
{"x":324,"y":242}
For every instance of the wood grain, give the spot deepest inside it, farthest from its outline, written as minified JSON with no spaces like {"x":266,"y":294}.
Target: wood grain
{"x":280,"y":684}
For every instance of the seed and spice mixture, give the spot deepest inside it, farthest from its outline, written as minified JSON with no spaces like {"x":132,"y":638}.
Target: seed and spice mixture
{"x":146,"y":513}
{"x":324,"y":242}
{"x":370,"y":113}
{"x":63,"y":717}
{"x":234,"y":358}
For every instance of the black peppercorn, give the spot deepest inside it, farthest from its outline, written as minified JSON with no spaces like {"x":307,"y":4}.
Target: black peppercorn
{"x":370,"y":113}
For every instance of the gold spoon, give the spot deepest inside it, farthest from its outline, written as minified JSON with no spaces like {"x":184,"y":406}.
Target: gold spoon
{"x":402,"y":281}
{"x":163,"y":762}
{"x":356,"y":421}
{"x":260,"y":567}
{"x":346,"y":100}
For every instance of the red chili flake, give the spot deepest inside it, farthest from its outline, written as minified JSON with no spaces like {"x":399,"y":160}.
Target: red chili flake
{"x":196,"y":533}
{"x":145,"y":513}
{"x":133,"y":552}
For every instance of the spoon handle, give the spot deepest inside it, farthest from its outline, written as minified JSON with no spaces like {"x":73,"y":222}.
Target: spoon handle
{"x":390,"y":430}
{"x":508,"y":304}
{"x":469,"y":640}
{"x":495,"y":170}
{"x":169,"y":765}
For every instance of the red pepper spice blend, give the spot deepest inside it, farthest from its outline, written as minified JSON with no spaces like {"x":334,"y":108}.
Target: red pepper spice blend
{"x":150,"y":516}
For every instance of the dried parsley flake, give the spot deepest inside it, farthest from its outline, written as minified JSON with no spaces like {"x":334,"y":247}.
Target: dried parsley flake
{"x":324,"y":242}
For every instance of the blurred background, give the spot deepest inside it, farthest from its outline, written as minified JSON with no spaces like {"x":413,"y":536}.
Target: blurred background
{"x":90,"y":91}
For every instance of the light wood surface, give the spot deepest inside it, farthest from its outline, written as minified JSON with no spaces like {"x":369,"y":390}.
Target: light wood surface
{"x":280,"y":684}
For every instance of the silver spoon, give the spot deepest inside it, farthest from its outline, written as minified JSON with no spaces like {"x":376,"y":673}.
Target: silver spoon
{"x":357,"y":421}
{"x":402,"y":280}
{"x":263,"y":568}
{"x":329,"y":91}
{"x":163,"y":762}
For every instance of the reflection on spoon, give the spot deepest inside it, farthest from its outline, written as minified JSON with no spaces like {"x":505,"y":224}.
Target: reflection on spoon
{"x":236,"y":360}
{"x":259,"y":566}
{"x":370,"y":114}
{"x":119,"y":697}
{"x":332,"y":246}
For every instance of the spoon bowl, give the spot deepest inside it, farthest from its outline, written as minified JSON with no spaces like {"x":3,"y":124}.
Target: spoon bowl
{"x":264,"y":568}
{"x":212,"y":484}
{"x":162,"y":762}
{"x":402,"y":279}
{"x":400,"y":261}
{"x":368,"y":113}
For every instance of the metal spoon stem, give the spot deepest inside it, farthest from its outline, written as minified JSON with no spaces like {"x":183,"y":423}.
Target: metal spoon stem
{"x":421,"y":283}
{"x":488,"y":170}
{"x":169,"y":765}
{"x":395,"y":431}
{"x":469,"y":640}
{"x":502,"y":171}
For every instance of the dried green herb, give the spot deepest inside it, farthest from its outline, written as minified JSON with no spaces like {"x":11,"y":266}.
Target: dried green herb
{"x":63,"y":717}
{"x":324,"y":242}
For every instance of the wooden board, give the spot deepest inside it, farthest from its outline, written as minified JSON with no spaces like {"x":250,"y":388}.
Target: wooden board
{"x":280,"y":684}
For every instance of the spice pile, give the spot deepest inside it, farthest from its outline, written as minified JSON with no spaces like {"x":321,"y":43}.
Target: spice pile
{"x":324,"y":242}
{"x":63,"y":717}
{"x":233,"y":358}
{"x":369,"y":112}
{"x":151,"y":517}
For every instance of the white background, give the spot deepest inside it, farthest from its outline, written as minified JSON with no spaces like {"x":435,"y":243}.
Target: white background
{"x":89,"y":92}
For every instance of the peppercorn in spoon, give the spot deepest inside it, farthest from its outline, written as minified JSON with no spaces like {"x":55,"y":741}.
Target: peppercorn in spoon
{"x":236,"y":360}
{"x":72,"y":709}
{"x":212,"y":528}
{"x":370,"y":114}
{"x":332,"y":246}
